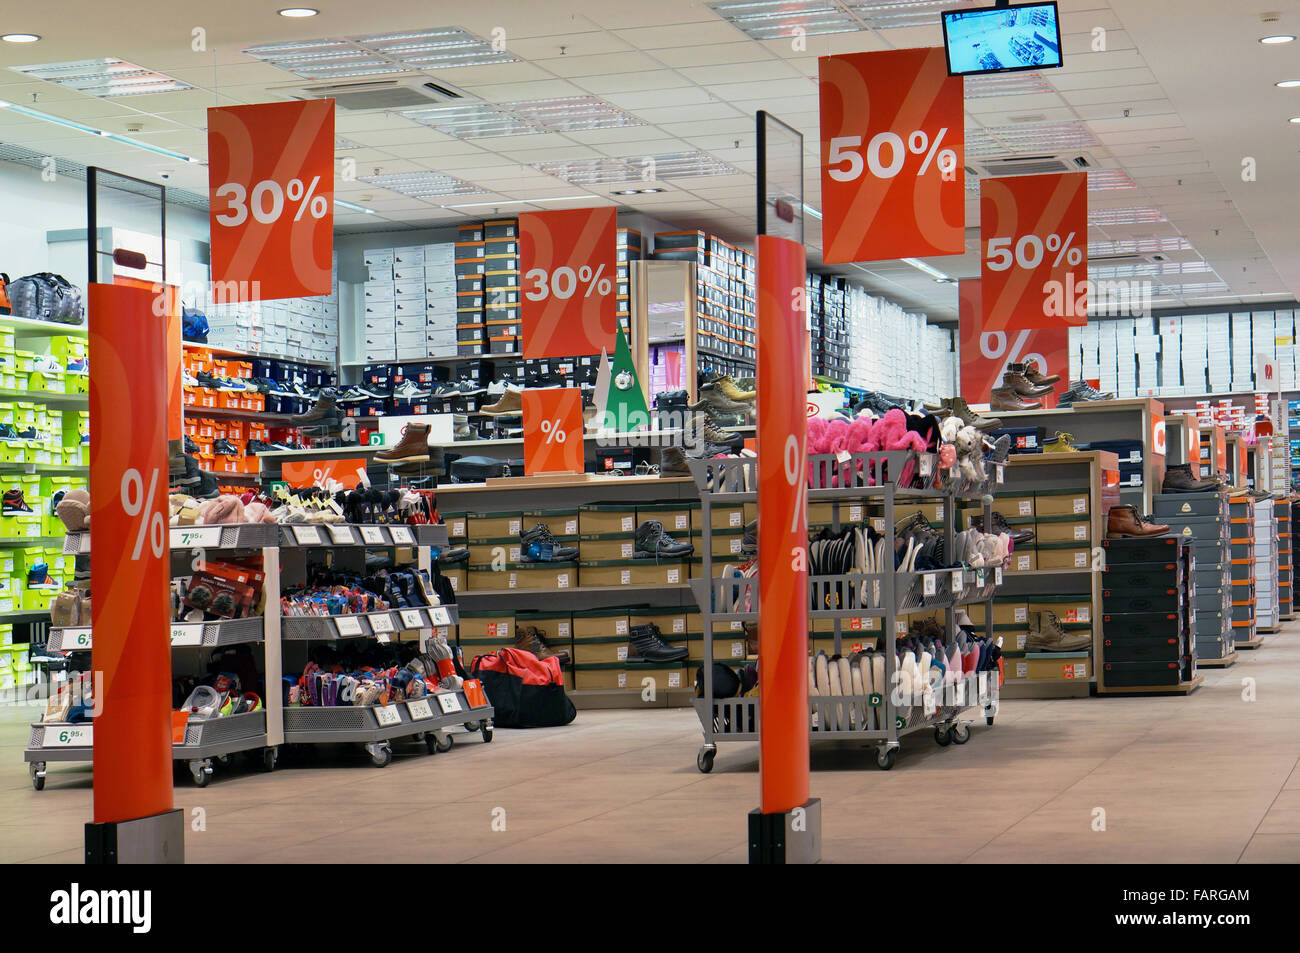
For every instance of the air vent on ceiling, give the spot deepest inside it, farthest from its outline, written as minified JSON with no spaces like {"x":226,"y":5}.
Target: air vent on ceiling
{"x":1031,"y":165}
{"x":1115,"y":261}
{"x":407,"y":93}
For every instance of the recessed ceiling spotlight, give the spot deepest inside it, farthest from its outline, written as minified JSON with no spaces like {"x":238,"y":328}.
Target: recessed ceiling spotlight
{"x":625,"y":192}
{"x":1277,"y":38}
{"x":20,"y":37}
{"x":1294,"y":119}
{"x":1288,"y":84}
{"x":651,"y":191}
{"x":297,"y":12}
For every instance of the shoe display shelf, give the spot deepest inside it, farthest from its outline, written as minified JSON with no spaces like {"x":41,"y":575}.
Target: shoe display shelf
{"x":1266,"y":567}
{"x":863,"y":480}
{"x":425,"y":720}
{"x":1285,"y":565}
{"x":1202,"y":520}
{"x":205,"y":740}
{"x":1064,"y":499}
{"x":1241,"y":544}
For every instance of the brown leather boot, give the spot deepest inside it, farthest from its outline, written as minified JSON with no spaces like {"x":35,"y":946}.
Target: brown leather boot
{"x":1014,"y":378}
{"x":1037,"y":377}
{"x":529,"y":638}
{"x":1046,"y":635}
{"x":1125,"y":520}
{"x":1005,"y":398}
{"x":412,"y":448}
{"x":751,"y":638}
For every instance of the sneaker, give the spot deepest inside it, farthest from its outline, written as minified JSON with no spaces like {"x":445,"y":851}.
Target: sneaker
{"x":205,"y":379}
{"x":1061,"y":443}
{"x":458,"y":554}
{"x":409,"y":390}
{"x":1081,"y":392}
{"x":226,"y":447}
{"x":259,"y":446}
{"x":13,"y":502}
{"x":189,"y":445}
{"x":646,"y":644}
{"x":652,"y":542}
{"x":188,"y":379}
{"x":749,"y":542}
{"x":48,"y":366}
{"x":354,"y":395}
{"x":38,"y":575}
{"x":511,"y":402}
{"x":80,"y":365}
{"x":539,"y":545}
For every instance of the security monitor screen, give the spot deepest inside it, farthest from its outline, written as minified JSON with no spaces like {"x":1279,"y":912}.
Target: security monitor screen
{"x":1002,"y":39}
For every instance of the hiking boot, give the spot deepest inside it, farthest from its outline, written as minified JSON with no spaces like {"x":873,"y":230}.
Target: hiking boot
{"x":511,"y":402}
{"x":672,"y":462}
{"x":1125,"y":520}
{"x":957,"y":406}
{"x":1037,"y":377}
{"x":714,"y":400}
{"x":539,"y":545}
{"x":731,"y":390}
{"x":1019,"y":535}
{"x":529,"y":638}
{"x":226,"y":448}
{"x":323,"y":412}
{"x":1006,"y":398}
{"x":645,"y":644}
{"x":1014,"y":378}
{"x":14,"y":502}
{"x":413,"y":447}
{"x":207,"y":487}
{"x":704,"y":431}
{"x":1080,"y":392}
{"x":1046,"y":635}
{"x":652,"y":542}
{"x":176,"y":460}
{"x":1061,"y":443}
{"x":749,"y":542}
{"x":1179,"y":479}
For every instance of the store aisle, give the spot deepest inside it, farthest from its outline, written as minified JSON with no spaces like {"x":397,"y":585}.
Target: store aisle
{"x":1210,"y":778}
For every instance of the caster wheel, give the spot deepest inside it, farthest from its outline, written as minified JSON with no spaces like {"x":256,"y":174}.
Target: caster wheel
{"x":223,"y":760}
{"x":943,"y":736}
{"x":201,"y":773}
{"x":430,"y":742}
{"x":988,"y":719}
{"x":444,"y":744}
{"x":380,"y":757}
{"x":270,"y":756}
{"x":486,"y":731}
{"x":960,"y":734}
{"x":37,"y":771}
{"x":471,"y":726}
{"x":704,"y":760}
{"x":885,"y":757}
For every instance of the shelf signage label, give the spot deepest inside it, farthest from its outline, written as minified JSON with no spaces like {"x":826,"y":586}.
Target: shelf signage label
{"x":187,"y":633}
{"x":347,"y":625}
{"x":401,"y":536}
{"x":568,"y":268}
{"x":341,"y":534}
{"x":381,"y":623}
{"x":205,"y":537}
{"x":553,"y":430}
{"x":307,"y":535}
{"x":412,"y":619}
{"x":68,"y":736}
{"x":1034,"y":251}
{"x":449,"y":703}
{"x":373,"y":536}
{"x":440,"y":615}
{"x":388,"y":715}
{"x":271,"y":199}
{"x":419,"y":710}
{"x":892,"y":156}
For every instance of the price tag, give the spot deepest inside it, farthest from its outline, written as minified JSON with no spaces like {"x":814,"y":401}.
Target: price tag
{"x":878,"y":524}
{"x":620,"y":626}
{"x":440,"y":615}
{"x":1080,"y":504}
{"x":381,"y":623}
{"x":843,"y":457}
{"x":402,"y":535}
{"x":458,"y":528}
{"x":928,"y":584}
{"x":1085,"y":614}
{"x":737,"y":649}
{"x":855,"y":513}
{"x":625,"y":577}
{"x":626,"y":549}
{"x":1081,"y":531}
{"x":1022,"y":670}
{"x":512,"y":582}
{"x":75,"y":639}
{"x":627,"y":523}
{"x":679,"y":624}
{"x":70,"y":737}
{"x":347,"y":625}
{"x":737,"y":625}
{"x":735,"y":546}
{"x":562,"y":581}
{"x":1026,"y":508}
{"x":997,"y":576}
{"x":1080,"y":560}
{"x":342,"y":535}
{"x":956,"y":580}
{"x":571,"y":528}
{"x":979,"y":577}
{"x":412,"y":619}
{"x":307,"y":535}
{"x":621,"y":653}
{"x":674,"y":679}
{"x":372,"y":535}
{"x":187,"y":633}
{"x":186,"y":538}
{"x":419,"y":710}
{"x":674,"y":576}
{"x":1022,"y":563}
{"x":388,"y":715}
{"x":1001,"y":473}
{"x":449,"y":703}
{"x":736,"y":518}
{"x":900,"y":627}
{"x":927,"y":464}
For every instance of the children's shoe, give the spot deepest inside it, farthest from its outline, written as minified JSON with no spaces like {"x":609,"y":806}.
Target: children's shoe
{"x":13,"y":502}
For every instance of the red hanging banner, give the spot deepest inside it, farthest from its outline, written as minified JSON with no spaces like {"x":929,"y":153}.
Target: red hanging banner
{"x":893,"y":136}
{"x":271,"y":199}
{"x":986,"y":354}
{"x":129,"y":558}
{"x":567,"y":260}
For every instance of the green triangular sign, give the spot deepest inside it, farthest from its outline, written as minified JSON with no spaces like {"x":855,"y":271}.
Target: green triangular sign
{"x":624,"y":400}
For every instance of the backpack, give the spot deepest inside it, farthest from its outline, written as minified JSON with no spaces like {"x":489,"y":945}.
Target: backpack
{"x":4,"y":297}
{"x":194,"y":325}
{"x":525,"y":691}
{"x":46,"y":297}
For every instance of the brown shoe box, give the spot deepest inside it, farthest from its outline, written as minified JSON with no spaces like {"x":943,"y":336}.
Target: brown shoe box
{"x":1061,"y":502}
{"x":486,"y":625}
{"x":676,"y":517}
{"x":634,"y":572}
{"x":672,"y":623}
{"x":1022,"y":560}
{"x":1005,"y":612}
{"x":728,"y":646}
{"x":608,"y":649}
{"x":727,"y":545}
{"x":601,"y":624}
{"x":459,"y":578}
{"x":1069,"y":610}
{"x":488,"y":553}
{"x":932,"y":512}
{"x":1072,"y":557}
{"x":549,"y":576}
{"x":1068,"y":530}
{"x":601,"y":519}
{"x":728,"y":517}
{"x":822,"y":514}
{"x":1050,"y":667}
{"x":850,"y":628}
{"x":608,"y":547}
{"x":620,"y":676}
{"x":494,"y":525}
{"x":457,"y":525}
{"x":1014,"y":506}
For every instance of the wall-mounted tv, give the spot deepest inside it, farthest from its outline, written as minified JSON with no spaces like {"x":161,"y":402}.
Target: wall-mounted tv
{"x":1002,"y":39}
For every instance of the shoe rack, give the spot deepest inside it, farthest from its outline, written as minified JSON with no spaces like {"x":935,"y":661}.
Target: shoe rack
{"x":1285,"y":566}
{"x":867,"y":482}
{"x":284,"y":640}
{"x":1064,"y":498}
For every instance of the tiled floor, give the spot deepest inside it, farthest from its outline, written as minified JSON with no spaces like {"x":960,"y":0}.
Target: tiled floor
{"x":1208,"y":778}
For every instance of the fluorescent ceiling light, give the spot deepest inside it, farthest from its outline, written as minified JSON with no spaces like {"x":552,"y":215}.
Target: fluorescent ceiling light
{"x":1125,"y":216}
{"x":422,"y":184}
{"x":102,"y":133}
{"x":668,"y":165}
{"x":550,"y":198}
{"x":20,"y":37}
{"x":413,"y":51}
{"x":777,"y":19}
{"x":1005,"y":84}
{"x":1276,"y":39}
{"x":893,"y":14}
{"x":1294,"y":119}
{"x":1288,"y":84}
{"x":106,"y":77}
{"x":1107,"y":180}
{"x":919,"y":265}
{"x":353,"y":208}
{"x":524,"y":118}
{"x":297,"y":12}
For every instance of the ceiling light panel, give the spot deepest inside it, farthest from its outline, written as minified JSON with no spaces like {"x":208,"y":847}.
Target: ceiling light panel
{"x":528,"y":117}
{"x":1043,"y":136}
{"x":413,"y":51}
{"x":572,"y":114}
{"x":106,"y":77}
{"x":343,"y":145}
{"x":889,"y":14}
{"x":1143,"y":246}
{"x":1006,"y":84}
{"x":775,"y":19}
{"x":421,"y":185}
{"x":1109,"y":180}
{"x":670,"y":165}
{"x":1139,"y":215}
{"x":472,"y":121}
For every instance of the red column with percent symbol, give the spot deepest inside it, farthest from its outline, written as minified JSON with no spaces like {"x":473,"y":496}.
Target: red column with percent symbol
{"x":782,"y":525}
{"x":1034,"y":251}
{"x":553,"y":430}
{"x":986,"y":354}
{"x":130,"y":556}
{"x":568,"y":261}
{"x":271,"y":199}
{"x":892,"y":145}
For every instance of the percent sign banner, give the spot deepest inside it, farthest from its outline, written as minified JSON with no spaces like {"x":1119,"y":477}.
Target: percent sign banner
{"x":553,"y":430}
{"x":129,"y":560}
{"x":271,"y":199}
{"x":567,"y":258}
{"x":1034,"y":251}
{"x":893,"y":144}
{"x":985,"y":354}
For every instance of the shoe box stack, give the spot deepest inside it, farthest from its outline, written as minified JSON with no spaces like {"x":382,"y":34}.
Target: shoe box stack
{"x":1128,"y":452}
{"x":33,"y":433}
{"x":630,"y":247}
{"x":830,"y":337}
{"x":501,"y":286}
{"x":15,"y":668}
{"x":1061,"y":520}
{"x":409,"y":302}
{"x":1201,"y":520}
{"x":1282,"y":515}
{"x":31,"y":571}
{"x":1241,"y":532}
{"x":470,"y":259}
{"x":1295,"y":534}
{"x":303,"y":328}
{"x":1266,"y":566}
{"x":1044,"y":637}
{"x":1149,"y":612}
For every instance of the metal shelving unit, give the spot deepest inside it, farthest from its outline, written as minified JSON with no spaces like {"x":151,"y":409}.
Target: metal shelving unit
{"x":861,"y":479}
